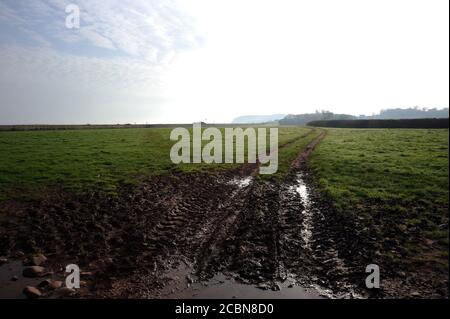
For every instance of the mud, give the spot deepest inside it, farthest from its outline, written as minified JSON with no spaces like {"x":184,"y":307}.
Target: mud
{"x":229,"y":234}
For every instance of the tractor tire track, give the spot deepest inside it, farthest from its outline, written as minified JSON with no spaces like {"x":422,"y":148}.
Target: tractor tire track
{"x":225,"y":222}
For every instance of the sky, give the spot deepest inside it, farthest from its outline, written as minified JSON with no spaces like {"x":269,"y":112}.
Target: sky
{"x":174,"y":61}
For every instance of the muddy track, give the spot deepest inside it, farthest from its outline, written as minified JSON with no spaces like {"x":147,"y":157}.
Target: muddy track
{"x":231,"y":222}
{"x":219,"y":229}
{"x":262,"y":240}
{"x":240,"y":209}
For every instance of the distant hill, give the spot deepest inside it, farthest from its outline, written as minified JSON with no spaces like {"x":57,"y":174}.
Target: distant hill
{"x":253,"y":119}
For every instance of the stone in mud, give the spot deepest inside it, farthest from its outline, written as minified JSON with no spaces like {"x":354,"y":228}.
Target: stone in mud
{"x":36,"y":260}
{"x":14,"y":278}
{"x":32,"y":292}
{"x":263,"y":286}
{"x":276,"y":287}
{"x":33,"y":271}
{"x":52,"y":284}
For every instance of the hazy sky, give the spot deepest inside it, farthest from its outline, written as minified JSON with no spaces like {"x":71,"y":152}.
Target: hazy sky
{"x":160,"y":61}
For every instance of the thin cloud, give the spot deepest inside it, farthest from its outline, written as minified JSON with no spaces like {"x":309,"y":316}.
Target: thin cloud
{"x":136,"y":28}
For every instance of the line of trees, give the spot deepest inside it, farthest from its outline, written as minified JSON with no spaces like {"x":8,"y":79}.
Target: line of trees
{"x":410,"y":113}
{"x":404,"y":123}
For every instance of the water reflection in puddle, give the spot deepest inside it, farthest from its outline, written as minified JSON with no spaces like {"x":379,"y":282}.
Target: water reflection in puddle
{"x":221,"y":287}
{"x":184,"y":285}
{"x":307,"y":214}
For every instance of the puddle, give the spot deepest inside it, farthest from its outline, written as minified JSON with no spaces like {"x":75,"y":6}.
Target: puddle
{"x":307,"y":214}
{"x":10,"y":289}
{"x":227,"y":288}
{"x":306,"y":234}
{"x":183,"y":285}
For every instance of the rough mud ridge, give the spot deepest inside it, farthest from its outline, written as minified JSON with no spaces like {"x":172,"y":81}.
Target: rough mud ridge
{"x":139,"y":234}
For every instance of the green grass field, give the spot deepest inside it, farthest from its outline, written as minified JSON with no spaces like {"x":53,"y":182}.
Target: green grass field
{"x":81,"y":159}
{"x":353,"y":166}
{"x":389,"y":187}
{"x":399,"y":176}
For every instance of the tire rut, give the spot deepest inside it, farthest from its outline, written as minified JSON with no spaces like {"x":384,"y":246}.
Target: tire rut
{"x":220,"y":222}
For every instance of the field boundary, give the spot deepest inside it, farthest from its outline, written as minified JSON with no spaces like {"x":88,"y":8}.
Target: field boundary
{"x":436,"y":123}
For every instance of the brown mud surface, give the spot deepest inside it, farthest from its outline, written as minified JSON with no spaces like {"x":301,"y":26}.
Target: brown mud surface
{"x":229,"y":234}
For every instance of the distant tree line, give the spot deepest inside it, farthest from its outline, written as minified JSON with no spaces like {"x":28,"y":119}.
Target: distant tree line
{"x":49,"y":127}
{"x":403,"y":123}
{"x":410,"y":113}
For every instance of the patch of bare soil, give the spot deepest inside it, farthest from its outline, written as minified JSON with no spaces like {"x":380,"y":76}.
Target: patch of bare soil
{"x":171,"y":232}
